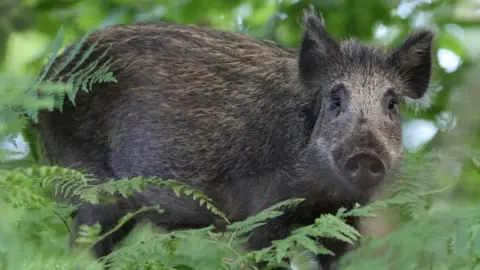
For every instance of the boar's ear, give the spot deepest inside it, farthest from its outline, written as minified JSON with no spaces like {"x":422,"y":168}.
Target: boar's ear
{"x":317,"y":45}
{"x":413,"y":61}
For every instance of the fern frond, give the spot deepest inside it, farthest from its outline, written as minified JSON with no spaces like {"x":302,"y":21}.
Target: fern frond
{"x":420,"y":175}
{"x":441,"y":235}
{"x":74,"y":79}
{"x":250,"y":223}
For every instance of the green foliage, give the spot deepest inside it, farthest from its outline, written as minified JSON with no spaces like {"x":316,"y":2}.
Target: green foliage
{"x":40,"y":222}
{"x":434,"y":197}
{"x":446,"y":239}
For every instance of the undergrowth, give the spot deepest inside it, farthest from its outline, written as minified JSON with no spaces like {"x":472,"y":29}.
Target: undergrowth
{"x":35,"y":225}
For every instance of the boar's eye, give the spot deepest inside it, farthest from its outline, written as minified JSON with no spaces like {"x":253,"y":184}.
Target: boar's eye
{"x":337,"y":101}
{"x":391,"y":100}
{"x":392,"y":104}
{"x":338,"y":98}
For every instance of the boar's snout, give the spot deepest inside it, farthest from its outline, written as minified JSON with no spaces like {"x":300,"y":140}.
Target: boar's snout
{"x":365,"y":169}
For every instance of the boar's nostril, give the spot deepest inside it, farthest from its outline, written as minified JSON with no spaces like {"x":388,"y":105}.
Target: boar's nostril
{"x":365,"y":169}
{"x":352,"y":165}
{"x":376,"y":167}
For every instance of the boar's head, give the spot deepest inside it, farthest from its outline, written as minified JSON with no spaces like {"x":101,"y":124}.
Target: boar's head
{"x":356,"y":141}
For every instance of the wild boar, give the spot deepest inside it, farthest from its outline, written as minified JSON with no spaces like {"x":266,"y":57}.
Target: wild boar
{"x":245,"y":121}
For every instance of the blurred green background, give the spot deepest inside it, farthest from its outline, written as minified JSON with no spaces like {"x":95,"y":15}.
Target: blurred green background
{"x":450,"y":117}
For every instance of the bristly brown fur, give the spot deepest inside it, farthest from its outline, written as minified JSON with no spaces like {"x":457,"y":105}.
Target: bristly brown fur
{"x":247,"y":122}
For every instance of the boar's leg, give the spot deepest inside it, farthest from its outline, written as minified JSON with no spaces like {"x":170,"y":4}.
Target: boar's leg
{"x":303,"y":214}
{"x":107,"y":216}
{"x":178,"y":213}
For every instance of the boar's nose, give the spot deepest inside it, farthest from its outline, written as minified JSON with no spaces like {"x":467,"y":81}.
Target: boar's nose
{"x":365,"y":169}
